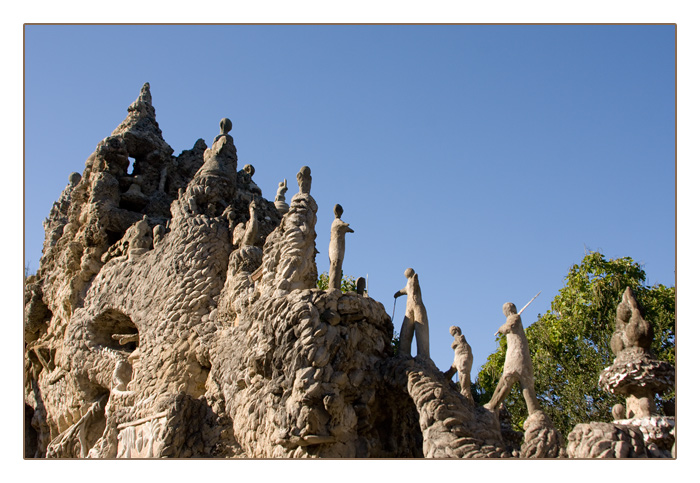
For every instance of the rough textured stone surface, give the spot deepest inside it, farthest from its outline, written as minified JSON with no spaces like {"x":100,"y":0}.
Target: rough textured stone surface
{"x":175,"y":314}
{"x":542,"y":440}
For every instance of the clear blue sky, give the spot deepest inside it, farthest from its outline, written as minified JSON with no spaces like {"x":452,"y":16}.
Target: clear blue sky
{"x":488,"y":158}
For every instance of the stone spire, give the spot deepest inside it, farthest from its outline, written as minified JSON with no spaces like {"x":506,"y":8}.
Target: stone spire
{"x":140,"y":128}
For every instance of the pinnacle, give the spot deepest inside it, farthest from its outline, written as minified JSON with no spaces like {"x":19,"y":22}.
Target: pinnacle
{"x":145,"y":95}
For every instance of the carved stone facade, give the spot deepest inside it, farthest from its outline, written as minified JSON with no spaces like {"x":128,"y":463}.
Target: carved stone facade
{"x":175,"y":314}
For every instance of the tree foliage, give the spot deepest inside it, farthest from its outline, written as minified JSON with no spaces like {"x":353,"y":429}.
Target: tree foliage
{"x":570,"y":344}
{"x":347,"y":283}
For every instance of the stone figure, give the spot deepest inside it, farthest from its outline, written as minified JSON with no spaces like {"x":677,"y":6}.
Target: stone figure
{"x":158,"y":234}
{"x":618,"y":411}
{"x":304,"y":180}
{"x":336,"y":249}
{"x":250,"y":237}
{"x":225,"y":126}
{"x":249,"y":171}
{"x":361,"y":286}
{"x":518,"y":364}
{"x":141,"y":237}
{"x":416,"y":318}
{"x":214,"y":185}
{"x":280,"y":202}
{"x":631,"y":330}
{"x":74,"y":179}
{"x":634,"y":372}
{"x":462,"y":364}
{"x":121,"y":375}
{"x":134,"y":196}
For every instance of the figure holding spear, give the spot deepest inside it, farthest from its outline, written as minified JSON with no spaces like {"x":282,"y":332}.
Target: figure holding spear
{"x":518,"y":364}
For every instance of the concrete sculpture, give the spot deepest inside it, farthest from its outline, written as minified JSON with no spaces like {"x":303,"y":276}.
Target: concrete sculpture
{"x":518,"y":365}
{"x":416,"y":318}
{"x":280,"y":202}
{"x":175,"y":314}
{"x":462,"y":364}
{"x":336,"y":249}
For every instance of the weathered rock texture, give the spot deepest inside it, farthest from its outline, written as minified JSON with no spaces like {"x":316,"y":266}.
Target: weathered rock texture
{"x":175,"y":314}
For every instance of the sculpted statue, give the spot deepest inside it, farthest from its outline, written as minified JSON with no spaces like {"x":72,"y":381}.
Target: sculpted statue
{"x":462,"y":364}
{"x":74,"y":179}
{"x":416,"y":318}
{"x":225,"y":126}
{"x":518,"y":364}
{"x":631,"y":330}
{"x":304,"y":180}
{"x":251,"y":228}
{"x":634,"y":373}
{"x":249,"y":171}
{"x":336,"y":249}
{"x":280,"y":202}
{"x":361,"y":286}
{"x":281,"y":190}
{"x":158,"y":234}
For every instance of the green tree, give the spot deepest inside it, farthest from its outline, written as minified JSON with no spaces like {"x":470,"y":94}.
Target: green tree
{"x":570,"y":344}
{"x":347,"y":283}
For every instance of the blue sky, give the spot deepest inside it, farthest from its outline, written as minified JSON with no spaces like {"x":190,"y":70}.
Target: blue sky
{"x":488,"y":158}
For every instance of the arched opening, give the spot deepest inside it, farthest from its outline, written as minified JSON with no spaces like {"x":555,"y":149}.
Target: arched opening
{"x":115,"y":330}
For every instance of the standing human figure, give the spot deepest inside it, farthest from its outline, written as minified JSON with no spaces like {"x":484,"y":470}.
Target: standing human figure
{"x":462,"y":364}
{"x":518,"y":364}
{"x":336,"y":249}
{"x":416,"y":318}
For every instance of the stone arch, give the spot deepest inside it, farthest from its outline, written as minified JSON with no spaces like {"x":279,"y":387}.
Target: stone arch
{"x":115,"y":330}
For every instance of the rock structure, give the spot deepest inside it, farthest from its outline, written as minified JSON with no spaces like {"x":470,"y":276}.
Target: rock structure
{"x":637,"y":430}
{"x":175,"y":314}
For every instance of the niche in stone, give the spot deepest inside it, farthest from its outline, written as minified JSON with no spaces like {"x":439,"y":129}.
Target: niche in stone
{"x":133,"y":198}
{"x":115,"y":330}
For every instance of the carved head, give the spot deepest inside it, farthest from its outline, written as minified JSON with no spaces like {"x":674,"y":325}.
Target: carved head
{"x":248,"y":168}
{"x":74,"y":179}
{"x":618,"y":411}
{"x":409,"y":273}
{"x":338,"y":211}
{"x":225,"y":125}
{"x":455,"y":331}
{"x":304,"y":179}
{"x":509,"y":309}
